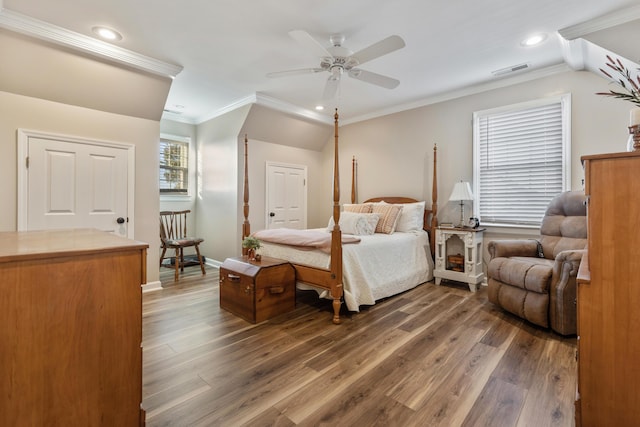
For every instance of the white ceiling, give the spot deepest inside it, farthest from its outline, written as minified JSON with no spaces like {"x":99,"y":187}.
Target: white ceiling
{"x":226,"y":47}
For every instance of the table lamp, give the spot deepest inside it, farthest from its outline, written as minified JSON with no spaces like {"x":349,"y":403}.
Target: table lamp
{"x":461,"y":192}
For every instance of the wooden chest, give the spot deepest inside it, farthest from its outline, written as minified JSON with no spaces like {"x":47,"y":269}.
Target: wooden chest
{"x":257,"y":290}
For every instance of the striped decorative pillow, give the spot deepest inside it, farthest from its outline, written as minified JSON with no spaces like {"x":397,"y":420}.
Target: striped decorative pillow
{"x":358,"y":208}
{"x":389,"y":215}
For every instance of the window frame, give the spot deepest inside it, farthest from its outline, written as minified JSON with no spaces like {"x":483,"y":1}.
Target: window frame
{"x":190,"y":168}
{"x":565,"y":104}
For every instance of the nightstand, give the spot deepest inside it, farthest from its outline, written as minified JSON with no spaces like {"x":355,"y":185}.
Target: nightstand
{"x":257,"y":290}
{"x":459,"y":255}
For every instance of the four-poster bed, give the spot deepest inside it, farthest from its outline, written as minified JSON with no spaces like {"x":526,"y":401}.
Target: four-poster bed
{"x":324,"y":269}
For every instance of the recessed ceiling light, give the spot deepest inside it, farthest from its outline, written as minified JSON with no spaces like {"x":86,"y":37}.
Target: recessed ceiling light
{"x":534,"y":40}
{"x":319,"y":107}
{"x":107,"y":33}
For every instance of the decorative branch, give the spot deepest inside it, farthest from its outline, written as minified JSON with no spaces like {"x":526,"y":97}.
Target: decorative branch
{"x":630,"y":85}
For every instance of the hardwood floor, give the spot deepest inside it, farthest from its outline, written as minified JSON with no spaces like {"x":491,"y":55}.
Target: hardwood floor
{"x":433,"y":356}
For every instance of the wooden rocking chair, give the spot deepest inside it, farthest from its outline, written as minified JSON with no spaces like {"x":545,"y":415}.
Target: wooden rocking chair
{"x":173,"y":235}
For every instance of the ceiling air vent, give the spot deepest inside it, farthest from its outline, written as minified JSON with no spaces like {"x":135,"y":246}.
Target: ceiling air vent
{"x":508,"y":70}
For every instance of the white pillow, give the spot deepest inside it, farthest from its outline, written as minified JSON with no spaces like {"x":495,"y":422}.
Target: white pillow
{"x":359,"y":224}
{"x":411,"y":217}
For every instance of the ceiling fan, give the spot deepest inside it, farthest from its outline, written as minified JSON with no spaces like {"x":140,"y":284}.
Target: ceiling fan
{"x":338,"y":60}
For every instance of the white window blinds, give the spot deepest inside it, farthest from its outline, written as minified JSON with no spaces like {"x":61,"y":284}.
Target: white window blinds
{"x":520,"y":157}
{"x":174,"y":167}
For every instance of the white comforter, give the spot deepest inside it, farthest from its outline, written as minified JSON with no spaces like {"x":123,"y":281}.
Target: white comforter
{"x":379,"y":266}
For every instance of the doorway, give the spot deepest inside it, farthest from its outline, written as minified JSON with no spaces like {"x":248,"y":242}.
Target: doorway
{"x":286,"y":205}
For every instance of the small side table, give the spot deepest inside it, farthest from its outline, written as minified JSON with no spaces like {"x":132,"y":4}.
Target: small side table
{"x":454,"y":245}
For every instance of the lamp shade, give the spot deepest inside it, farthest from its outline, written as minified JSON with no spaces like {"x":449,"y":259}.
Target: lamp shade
{"x":461,"y":191}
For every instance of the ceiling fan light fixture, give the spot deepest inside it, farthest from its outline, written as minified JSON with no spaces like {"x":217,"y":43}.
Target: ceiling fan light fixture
{"x":338,"y":60}
{"x":336,"y":72}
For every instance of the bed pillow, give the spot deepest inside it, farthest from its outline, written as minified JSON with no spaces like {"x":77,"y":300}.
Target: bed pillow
{"x":357,"y":208}
{"x":389,"y":215}
{"x":411,"y":218}
{"x":359,"y":224}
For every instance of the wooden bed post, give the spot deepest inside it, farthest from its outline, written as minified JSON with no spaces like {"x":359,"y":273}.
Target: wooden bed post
{"x":246,"y":227}
{"x":434,"y":204}
{"x":336,"y":234}
{"x":354,"y":176}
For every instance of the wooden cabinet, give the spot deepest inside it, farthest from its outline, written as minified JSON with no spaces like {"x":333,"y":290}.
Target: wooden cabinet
{"x":257,"y":290}
{"x":609,"y":294}
{"x":70,"y":328}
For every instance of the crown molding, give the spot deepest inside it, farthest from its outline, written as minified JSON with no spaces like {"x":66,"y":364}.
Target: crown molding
{"x":273,"y":103}
{"x":618,"y":17}
{"x":286,"y":107}
{"x":42,"y":30}
{"x":467,"y":91}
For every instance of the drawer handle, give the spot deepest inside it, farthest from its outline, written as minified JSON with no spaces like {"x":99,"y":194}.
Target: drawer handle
{"x":276,"y":290}
{"x":233,"y":277}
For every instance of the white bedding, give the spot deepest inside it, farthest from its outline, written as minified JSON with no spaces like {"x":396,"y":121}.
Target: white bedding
{"x":381,"y":265}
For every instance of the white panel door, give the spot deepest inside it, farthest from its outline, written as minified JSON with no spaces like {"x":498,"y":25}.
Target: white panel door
{"x":73,"y":184}
{"x":286,"y":196}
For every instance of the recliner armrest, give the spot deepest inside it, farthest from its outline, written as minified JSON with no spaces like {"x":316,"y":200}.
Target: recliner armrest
{"x":566,"y":266}
{"x":562,"y":308}
{"x":509,"y":248}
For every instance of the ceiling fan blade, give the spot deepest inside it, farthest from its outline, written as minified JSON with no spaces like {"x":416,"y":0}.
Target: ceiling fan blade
{"x":305,"y":39}
{"x":330,"y":89}
{"x":376,"y":50}
{"x":374,"y":78}
{"x":295,"y":72}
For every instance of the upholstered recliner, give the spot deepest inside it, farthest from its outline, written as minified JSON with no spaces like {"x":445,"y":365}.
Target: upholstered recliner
{"x":536,"y":279}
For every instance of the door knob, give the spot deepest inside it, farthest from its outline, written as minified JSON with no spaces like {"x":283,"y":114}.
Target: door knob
{"x":120,"y":220}
{"x":272,"y":214}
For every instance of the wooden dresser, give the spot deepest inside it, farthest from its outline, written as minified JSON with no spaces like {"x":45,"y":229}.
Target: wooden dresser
{"x":609,"y":294}
{"x":70,"y":328}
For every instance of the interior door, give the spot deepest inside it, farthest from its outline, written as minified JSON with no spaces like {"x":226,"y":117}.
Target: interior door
{"x":73,"y":183}
{"x":286,"y":196}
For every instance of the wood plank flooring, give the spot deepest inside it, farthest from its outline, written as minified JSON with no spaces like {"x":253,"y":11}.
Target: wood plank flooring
{"x":433,"y":356}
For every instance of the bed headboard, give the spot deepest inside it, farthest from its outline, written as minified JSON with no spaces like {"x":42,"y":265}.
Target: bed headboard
{"x":428,"y":213}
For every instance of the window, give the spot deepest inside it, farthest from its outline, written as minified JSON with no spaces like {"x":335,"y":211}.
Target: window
{"x":521,"y":160}
{"x":174,"y":167}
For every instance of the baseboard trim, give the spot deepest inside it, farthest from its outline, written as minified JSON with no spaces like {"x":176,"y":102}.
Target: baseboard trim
{"x":151,"y":286}
{"x":213,"y":263}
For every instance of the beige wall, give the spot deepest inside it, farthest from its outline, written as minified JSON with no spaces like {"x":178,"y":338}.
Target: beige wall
{"x":394,"y":152}
{"x":17,"y":111}
{"x":395,"y":156}
{"x":261,"y":152}
{"x":217,"y":195}
{"x":219,"y":200}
